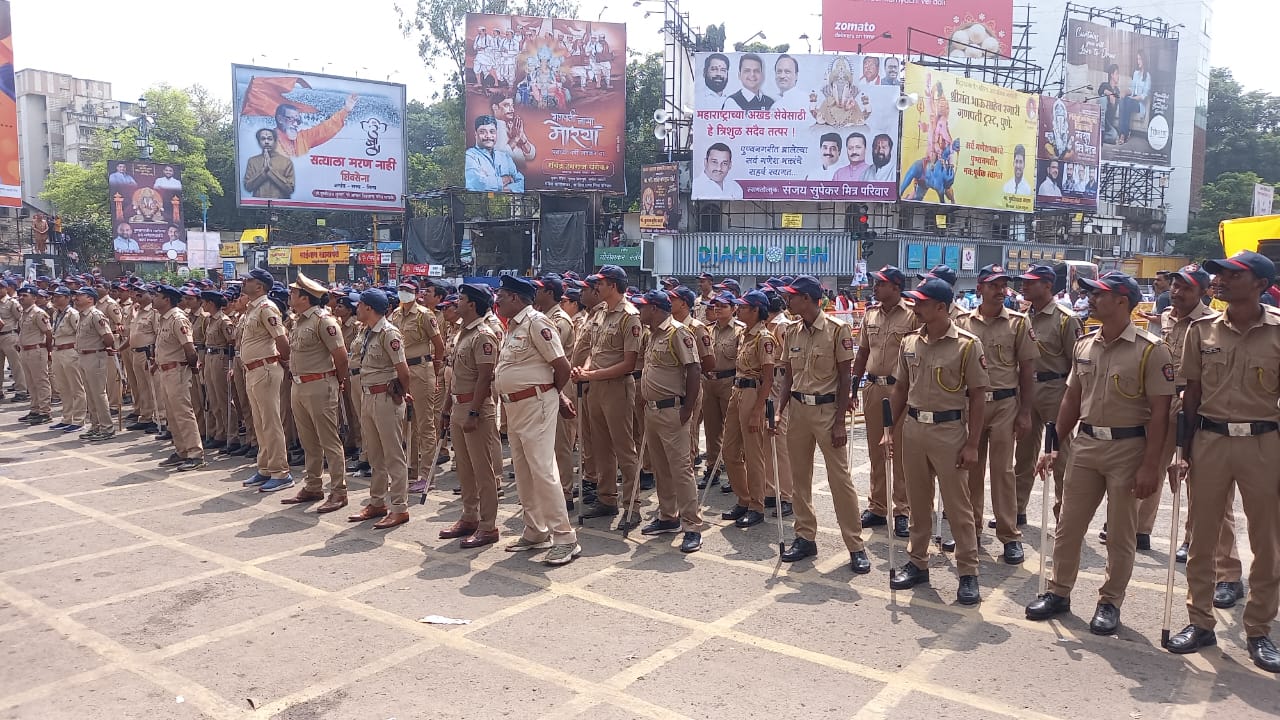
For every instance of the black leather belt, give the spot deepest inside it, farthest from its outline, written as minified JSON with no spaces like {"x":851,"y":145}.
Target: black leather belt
{"x":636,"y":374}
{"x":1238,"y":429}
{"x":722,"y":374}
{"x":664,"y":404}
{"x":994,"y":395}
{"x":355,"y":371}
{"x":931,"y":418}
{"x":1177,"y":389}
{"x":745,"y":383}
{"x":1113,"y":433}
{"x":804,"y":399}
{"x":881,"y":379}
{"x":1047,"y":376}
{"x":141,"y":349}
{"x":418,"y":360}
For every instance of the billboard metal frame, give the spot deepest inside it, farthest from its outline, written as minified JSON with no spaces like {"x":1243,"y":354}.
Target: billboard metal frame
{"x":1014,"y":71}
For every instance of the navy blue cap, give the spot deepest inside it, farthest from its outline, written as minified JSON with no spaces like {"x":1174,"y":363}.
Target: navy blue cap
{"x":706,"y":276}
{"x":724,"y":297}
{"x":82,"y":291}
{"x":261,"y":276}
{"x":728,"y":284}
{"x":804,"y":285}
{"x":44,"y":278}
{"x":169,"y":291}
{"x":573,"y":292}
{"x":449,"y":301}
{"x":689,"y":297}
{"x":1260,"y":265}
{"x":612,"y":272}
{"x":571,"y":275}
{"x":551,"y":282}
{"x":521,"y":286}
{"x":933,"y":289}
{"x":63,"y":292}
{"x":1114,"y":282}
{"x":476,"y":291}
{"x":214,"y":297}
{"x":992,"y":273}
{"x":376,"y":299}
{"x":670,"y":282}
{"x":1193,"y":274}
{"x":890,"y":274}
{"x":1040,"y":272}
{"x":656,"y":298}
{"x":232,"y":292}
{"x":189,"y":291}
{"x":941,"y":272}
{"x":754,"y":298}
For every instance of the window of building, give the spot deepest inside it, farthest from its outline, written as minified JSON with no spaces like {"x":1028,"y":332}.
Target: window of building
{"x":710,"y":217}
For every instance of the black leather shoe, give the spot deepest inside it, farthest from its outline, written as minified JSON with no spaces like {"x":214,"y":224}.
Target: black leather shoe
{"x":214,"y":443}
{"x":991,"y":523}
{"x":1181,"y":555}
{"x":241,"y":451}
{"x":647,"y":481}
{"x":1105,"y":619}
{"x":859,"y":562}
{"x":901,"y":526}
{"x":1227,"y":594}
{"x":251,"y":453}
{"x":907,"y":577}
{"x":145,"y":427}
{"x":596,"y":510}
{"x":770,"y":503}
{"x":166,"y":435}
{"x":968,"y":593}
{"x":1047,"y":605}
{"x":870,"y":519}
{"x":660,"y":527}
{"x":706,"y":477}
{"x":726,"y":487}
{"x":749,"y":518}
{"x":1022,"y":519}
{"x":1013,"y":553}
{"x":786,"y":510}
{"x":734,"y":513}
{"x":1144,"y":541}
{"x":799,"y":550}
{"x":1191,"y":639}
{"x":1264,"y":653}
{"x":692,"y":542}
{"x":1102,"y":534}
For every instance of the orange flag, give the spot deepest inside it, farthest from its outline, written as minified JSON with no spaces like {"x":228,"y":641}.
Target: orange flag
{"x":265,"y":94}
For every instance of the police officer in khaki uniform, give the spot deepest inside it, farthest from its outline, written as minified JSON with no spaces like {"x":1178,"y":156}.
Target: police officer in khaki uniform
{"x":264,"y":349}
{"x":1011,"y":352}
{"x":531,"y":375}
{"x":547,"y":302}
{"x":35,"y":337}
{"x":473,"y":420}
{"x":745,"y":426}
{"x":683,"y":300}
{"x":94,"y":342}
{"x":669,"y":388}
{"x":1056,"y":331}
{"x":67,"y":377}
{"x":818,"y":353}
{"x":140,"y":344}
{"x":424,"y":352}
{"x":344,"y":308}
{"x":1232,"y":367}
{"x":706,"y":292}
{"x":580,"y":352}
{"x":938,"y":406}
{"x":111,"y":309}
{"x":884,"y":325}
{"x":615,"y":349}
{"x":717,"y":384}
{"x":217,"y":337}
{"x":319,"y":372}
{"x":1119,"y":393}
{"x":779,"y":484}
{"x":10,"y":311}
{"x":175,"y":362}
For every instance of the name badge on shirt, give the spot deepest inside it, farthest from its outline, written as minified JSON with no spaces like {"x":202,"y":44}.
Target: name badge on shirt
{"x":1210,"y":351}
{"x":1083,"y":361}
{"x":909,"y":356}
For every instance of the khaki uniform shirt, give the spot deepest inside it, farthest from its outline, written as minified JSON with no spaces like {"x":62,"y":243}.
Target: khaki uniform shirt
{"x":173,"y":332}
{"x":670,"y":349}
{"x":1056,"y":332}
{"x":724,"y":343}
{"x":113,"y":310}
{"x":564,"y":326}
{"x":814,"y":353}
{"x":701,"y":336}
{"x":1007,"y":340}
{"x":350,"y":329}
{"x":94,"y":331}
{"x":218,"y":330}
{"x":65,"y":326}
{"x":940,"y":371}
{"x":261,"y":326}
{"x":1174,"y":333}
{"x":527,"y":351}
{"x":882,"y":331}
{"x":381,"y":349}
{"x":32,"y":326}
{"x":10,"y":310}
{"x":1238,"y":368}
{"x":417,"y":326}
{"x":476,"y":346}
{"x":615,"y":331}
{"x":1115,"y":382}
{"x":314,"y":337}
{"x":756,"y":349}
{"x":142,"y":326}
{"x":581,"y":348}
{"x":199,"y":329}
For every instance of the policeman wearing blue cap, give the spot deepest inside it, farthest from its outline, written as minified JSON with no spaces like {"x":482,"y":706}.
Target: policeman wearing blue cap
{"x":683,"y":302}
{"x":744,"y":441}
{"x":10,"y":312}
{"x":724,"y":331}
{"x":35,"y":336}
{"x":424,"y":352}
{"x":94,"y":342}
{"x":175,"y":361}
{"x":65,"y":361}
{"x":547,"y":301}
{"x":218,"y":333}
{"x":264,"y":349}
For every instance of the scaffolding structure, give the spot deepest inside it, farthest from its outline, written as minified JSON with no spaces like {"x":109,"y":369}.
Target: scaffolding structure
{"x":1014,"y":71}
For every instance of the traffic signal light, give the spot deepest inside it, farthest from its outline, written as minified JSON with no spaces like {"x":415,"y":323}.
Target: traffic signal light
{"x":860,"y":229}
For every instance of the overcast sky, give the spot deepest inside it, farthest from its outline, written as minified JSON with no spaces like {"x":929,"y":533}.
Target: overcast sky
{"x":127,"y":43}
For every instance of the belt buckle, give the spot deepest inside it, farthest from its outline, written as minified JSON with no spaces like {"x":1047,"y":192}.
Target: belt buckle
{"x":991,"y":396}
{"x":882,"y":381}
{"x":925,"y":416}
{"x":297,"y":379}
{"x":651,"y":404}
{"x":1239,"y":429}
{"x":1102,"y":433}
{"x":809,"y":399}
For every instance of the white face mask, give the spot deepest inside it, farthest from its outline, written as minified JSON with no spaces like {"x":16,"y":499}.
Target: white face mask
{"x":406,"y":297}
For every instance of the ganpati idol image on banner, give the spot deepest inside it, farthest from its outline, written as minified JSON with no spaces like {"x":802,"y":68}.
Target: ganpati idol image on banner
{"x":146,"y":211}
{"x":546,"y":104}
{"x":318,"y":142}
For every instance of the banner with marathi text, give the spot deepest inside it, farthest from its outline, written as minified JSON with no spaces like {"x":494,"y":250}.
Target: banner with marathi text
{"x":1068,"y":151}
{"x":146,"y":211}
{"x":10,"y":183}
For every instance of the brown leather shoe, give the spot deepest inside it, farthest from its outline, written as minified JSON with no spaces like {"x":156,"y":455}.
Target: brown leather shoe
{"x":335,"y":502}
{"x":459,"y":529}
{"x":303,"y":496}
{"x":480,"y":539}
{"x":391,"y":520}
{"x":368,"y":512}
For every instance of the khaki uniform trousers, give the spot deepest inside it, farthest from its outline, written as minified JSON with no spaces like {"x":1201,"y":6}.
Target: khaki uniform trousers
{"x":244,"y":414}
{"x":566,"y":435}
{"x":422,"y":385}
{"x":114,"y":388}
{"x":286,"y":413}
{"x":612,"y":417}
{"x":931,"y":451}
{"x":214,"y":373}
{"x":1044,"y":408}
{"x":357,"y":398}
{"x":810,"y":427}
{"x":351,"y":411}
{"x":715,"y":413}
{"x":93,"y":368}
{"x":315,"y":413}
{"x":262,"y":385}
{"x":35,"y":369}
{"x":70,"y":383}
{"x":1218,"y":462}
{"x":175,"y":389}
{"x":531,"y":425}
{"x":9,"y":352}
{"x":695,"y":429}
{"x":475,"y":465}
{"x":586,"y":448}
{"x":996,"y":445}
{"x":199,"y":405}
{"x":144,"y":395}
{"x":873,"y":396}
{"x":744,"y":450}
{"x":1098,"y":468}
{"x":673,"y":467}
{"x":382,"y":425}
{"x":780,"y":475}
{"x":130,"y":377}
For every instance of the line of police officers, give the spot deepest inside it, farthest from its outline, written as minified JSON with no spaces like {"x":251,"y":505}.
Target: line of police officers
{"x":969,"y":391}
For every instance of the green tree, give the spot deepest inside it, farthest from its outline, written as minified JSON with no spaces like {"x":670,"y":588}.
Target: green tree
{"x":645,"y":87}
{"x":434,"y":144}
{"x":756,"y":46}
{"x":1243,"y":129}
{"x":1229,"y":196}
{"x":89,"y":240}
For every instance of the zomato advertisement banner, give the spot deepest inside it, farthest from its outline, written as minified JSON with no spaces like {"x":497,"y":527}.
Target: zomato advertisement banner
{"x":960,"y":28}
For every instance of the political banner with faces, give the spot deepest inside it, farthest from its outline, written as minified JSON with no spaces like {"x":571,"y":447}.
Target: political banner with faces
{"x":1067,"y":152}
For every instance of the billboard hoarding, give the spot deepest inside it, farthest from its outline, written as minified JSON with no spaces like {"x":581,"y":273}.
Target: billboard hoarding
{"x":146,"y":211}
{"x":1133,"y":78}
{"x":966,"y":143}
{"x":546,"y":104}
{"x":10,"y":181}
{"x":1263,"y":197}
{"x":660,"y":197}
{"x":774,"y":126}
{"x":961,"y":28}
{"x":1067,"y":155}
{"x":318,"y":142}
